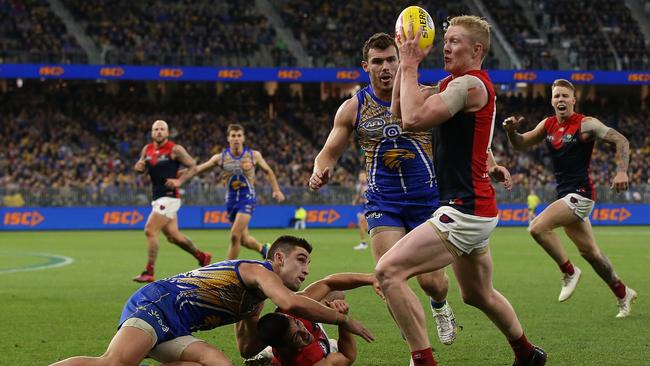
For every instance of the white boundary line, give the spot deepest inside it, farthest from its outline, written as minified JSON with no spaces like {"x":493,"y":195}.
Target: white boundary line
{"x":55,"y":261}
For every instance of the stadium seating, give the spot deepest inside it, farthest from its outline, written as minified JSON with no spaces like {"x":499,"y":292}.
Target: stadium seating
{"x":30,"y":32}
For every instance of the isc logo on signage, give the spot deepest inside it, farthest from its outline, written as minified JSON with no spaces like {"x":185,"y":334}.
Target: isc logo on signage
{"x":51,"y":71}
{"x":215,"y":217}
{"x":230,"y":74}
{"x":525,"y":76}
{"x":115,"y":72}
{"x":322,"y":216}
{"x":347,"y":75}
{"x":517,"y":215}
{"x":171,"y":73}
{"x":611,"y":214}
{"x":289,"y":74}
{"x":122,"y":217}
{"x":32,"y":218}
{"x":582,"y":76}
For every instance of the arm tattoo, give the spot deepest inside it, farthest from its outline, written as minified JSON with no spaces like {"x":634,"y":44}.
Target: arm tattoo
{"x":622,"y":149}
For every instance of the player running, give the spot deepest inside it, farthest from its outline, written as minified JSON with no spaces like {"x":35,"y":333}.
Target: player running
{"x":238,"y":163}
{"x":162,"y":159}
{"x":570,"y":138}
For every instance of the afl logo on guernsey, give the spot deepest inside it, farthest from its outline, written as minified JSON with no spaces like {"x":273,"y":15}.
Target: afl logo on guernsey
{"x":373,"y":124}
{"x":392,"y":131}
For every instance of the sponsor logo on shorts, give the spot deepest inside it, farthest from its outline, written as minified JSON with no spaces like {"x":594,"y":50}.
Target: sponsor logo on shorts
{"x":373,"y":215}
{"x":573,"y":200}
{"x":155,"y":314}
{"x":162,"y":207}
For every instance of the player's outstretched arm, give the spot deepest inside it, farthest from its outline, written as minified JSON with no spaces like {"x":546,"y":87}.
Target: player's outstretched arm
{"x":140,"y":166}
{"x":596,"y":128}
{"x":339,"y":282}
{"x":289,"y":302}
{"x":270,"y":175}
{"x":522,"y":141}
{"x":213,"y":162}
{"x":336,"y":143}
{"x":248,"y":341}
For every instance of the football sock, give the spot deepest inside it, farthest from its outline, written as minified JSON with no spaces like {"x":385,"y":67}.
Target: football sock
{"x":618,"y":288}
{"x":522,"y":348}
{"x":150,"y":267}
{"x":567,"y":268}
{"x":423,"y":357}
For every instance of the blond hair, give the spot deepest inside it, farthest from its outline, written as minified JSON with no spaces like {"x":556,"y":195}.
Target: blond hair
{"x":478,"y":27}
{"x":564,"y":83}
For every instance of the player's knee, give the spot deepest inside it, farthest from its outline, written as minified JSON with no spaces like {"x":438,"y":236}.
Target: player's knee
{"x":536,"y":230}
{"x":149,"y":231}
{"x":174,"y":239}
{"x":236,"y":238}
{"x":387,"y":274}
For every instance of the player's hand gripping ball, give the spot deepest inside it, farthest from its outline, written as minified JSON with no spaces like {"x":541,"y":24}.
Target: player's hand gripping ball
{"x":410,"y":19}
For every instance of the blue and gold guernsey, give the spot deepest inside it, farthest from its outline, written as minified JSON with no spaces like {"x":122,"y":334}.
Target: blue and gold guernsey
{"x":239,"y":177}
{"x":202,"y":299}
{"x":401,"y":175}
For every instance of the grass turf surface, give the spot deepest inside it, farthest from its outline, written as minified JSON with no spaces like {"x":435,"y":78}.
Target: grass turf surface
{"x":51,"y":314}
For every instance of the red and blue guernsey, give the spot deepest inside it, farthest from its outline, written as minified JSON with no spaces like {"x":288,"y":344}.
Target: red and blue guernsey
{"x":461,"y":156}
{"x":309,"y":355}
{"x":161,"y":166}
{"x":571,"y":155}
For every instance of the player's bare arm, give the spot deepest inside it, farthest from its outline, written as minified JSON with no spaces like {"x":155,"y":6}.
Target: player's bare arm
{"x":596,"y":128}
{"x":141,"y":165}
{"x":523,"y":141}
{"x":246,"y":334}
{"x":213,"y":162}
{"x":347,"y":346}
{"x":340,"y":282}
{"x":395,"y":106}
{"x":287,"y":301}
{"x":336,"y":143}
{"x":179,"y":153}
{"x":498,"y":172}
{"x":277,"y":193}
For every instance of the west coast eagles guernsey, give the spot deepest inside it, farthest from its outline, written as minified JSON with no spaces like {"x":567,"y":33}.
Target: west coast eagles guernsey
{"x":239,"y":175}
{"x":399,"y":164}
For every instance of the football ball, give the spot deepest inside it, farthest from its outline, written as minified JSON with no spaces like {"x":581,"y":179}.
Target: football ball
{"x":418,"y":17}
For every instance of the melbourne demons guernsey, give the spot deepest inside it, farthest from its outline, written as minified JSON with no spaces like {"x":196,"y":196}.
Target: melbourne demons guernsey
{"x":315,"y":351}
{"x":399,"y":163}
{"x":461,"y":156}
{"x":239,"y":175}
{"x":161,"y":167}
{"x":211,"y":296}
{"x":571,"y":155}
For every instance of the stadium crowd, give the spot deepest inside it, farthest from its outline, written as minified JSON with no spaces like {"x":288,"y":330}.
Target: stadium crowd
{"x":30,"y":32}
{"x":86,"y":138}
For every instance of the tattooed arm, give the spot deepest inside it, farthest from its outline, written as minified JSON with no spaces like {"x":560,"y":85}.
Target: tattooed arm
{"x":597,"y":129}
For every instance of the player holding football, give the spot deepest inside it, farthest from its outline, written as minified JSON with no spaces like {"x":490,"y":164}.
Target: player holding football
{"x":158,"y":320}
{"x":402,"y":190}
{"x":162,"y":159}
{"x":459,"y":231}
{"x":238,"y":164}
{"x":570,"y":139}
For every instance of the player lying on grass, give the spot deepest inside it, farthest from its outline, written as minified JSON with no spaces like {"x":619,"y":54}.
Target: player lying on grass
{"x":159,"y":319}
{"x":294,"y":341}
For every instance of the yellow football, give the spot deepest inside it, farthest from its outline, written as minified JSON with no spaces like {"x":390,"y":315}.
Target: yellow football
{"x":413,"y":17}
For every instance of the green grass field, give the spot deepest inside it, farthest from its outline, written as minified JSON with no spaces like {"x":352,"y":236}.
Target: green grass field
{"x":54,"y":313}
